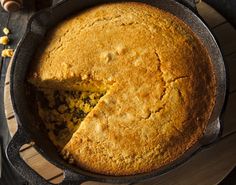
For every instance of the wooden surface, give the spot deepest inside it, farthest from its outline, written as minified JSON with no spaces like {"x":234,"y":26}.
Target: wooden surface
{"x":210,"y":165}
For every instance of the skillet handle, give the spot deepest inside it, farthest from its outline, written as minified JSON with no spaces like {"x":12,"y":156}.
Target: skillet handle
{"x":13,"y":156}
{"x":71,"y":178}
{"x":212,"y":133}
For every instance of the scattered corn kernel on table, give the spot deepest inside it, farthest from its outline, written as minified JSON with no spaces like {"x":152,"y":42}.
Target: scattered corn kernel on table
{"x":208,"y":167}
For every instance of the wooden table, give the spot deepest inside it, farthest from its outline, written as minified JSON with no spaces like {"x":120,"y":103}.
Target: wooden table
{"x":208,"y":167}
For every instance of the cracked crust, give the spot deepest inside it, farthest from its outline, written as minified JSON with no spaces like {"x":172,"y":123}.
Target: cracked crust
{"x":159,"y":79}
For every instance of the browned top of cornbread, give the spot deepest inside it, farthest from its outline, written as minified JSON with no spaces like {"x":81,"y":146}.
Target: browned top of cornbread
{"x":159,"y":82}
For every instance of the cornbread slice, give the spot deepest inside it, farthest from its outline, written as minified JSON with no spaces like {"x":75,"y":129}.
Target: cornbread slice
{"x":159,"y":83}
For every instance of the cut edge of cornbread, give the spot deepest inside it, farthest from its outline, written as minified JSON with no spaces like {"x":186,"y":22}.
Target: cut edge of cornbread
{"x":71,"y":84}
{"x":62,"y":111}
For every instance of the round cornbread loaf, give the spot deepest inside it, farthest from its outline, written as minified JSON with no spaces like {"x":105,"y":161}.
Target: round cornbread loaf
{"x":158,"y":80}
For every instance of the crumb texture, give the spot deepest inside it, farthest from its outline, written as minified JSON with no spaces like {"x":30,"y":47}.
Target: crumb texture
{"x":158,"y":79}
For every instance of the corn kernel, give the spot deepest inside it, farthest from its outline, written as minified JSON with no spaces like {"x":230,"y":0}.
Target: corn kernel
{"x":87,"y":108}
{"x":7,"y":52}
{"x":4,"y":40}
{"x":6,"y":31}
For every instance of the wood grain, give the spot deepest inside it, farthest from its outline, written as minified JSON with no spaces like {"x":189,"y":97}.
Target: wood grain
{"x":57,"y":179}
{"x":228,"y":117}
{"x":230,"y":62}
{"x":226,"y":37}
{"x":8,"y":106}
{"x":98,"y":183}
{"x":211,"y":16}
{"x":39,"y":164}
{"x":206,"y":168}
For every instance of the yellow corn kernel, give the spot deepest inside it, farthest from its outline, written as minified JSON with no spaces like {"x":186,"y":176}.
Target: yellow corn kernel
{"x":6,"y":31}
{"x":7,"y":52}
{"x":71,"y":104}
{"x":93,"y":102}
{"x":92,"y":96}
{"x":84,"y":95}
{"x":87,"y":108}
{"x":75,"y":120}
{"x":81,"y":105}
{"x":4,"y":40}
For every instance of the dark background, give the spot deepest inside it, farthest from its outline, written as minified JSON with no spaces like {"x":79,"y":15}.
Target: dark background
{"x":226,"y":7}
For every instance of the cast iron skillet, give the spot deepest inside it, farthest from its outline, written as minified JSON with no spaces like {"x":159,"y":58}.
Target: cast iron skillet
{"x":28,"y":124}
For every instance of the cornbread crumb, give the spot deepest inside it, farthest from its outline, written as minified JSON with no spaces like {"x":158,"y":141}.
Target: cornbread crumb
{"x":7,"y":53}
{"x":4,"y":40}
{"x":6,"y":31}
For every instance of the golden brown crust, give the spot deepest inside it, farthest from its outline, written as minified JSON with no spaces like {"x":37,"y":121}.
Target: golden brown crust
{"x":159,"y":78}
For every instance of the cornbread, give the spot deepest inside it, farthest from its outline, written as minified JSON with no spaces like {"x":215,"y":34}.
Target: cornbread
{"x":155,"y":79}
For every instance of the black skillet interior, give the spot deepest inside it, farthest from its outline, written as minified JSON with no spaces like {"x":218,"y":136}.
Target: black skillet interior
{"x":29,"y":129}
